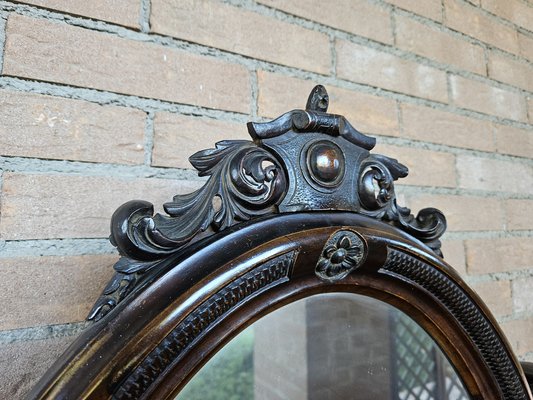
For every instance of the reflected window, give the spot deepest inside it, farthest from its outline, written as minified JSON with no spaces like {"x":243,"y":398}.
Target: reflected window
{"x":329,"y":346}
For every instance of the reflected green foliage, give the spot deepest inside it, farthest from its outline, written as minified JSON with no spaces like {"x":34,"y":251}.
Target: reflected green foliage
{"x":228,"y":375}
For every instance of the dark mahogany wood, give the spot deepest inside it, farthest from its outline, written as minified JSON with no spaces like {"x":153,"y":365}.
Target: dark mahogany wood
{"x":151,"y":345}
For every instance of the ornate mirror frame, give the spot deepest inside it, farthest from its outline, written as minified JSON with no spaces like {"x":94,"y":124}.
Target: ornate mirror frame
{"x":303,"y":209}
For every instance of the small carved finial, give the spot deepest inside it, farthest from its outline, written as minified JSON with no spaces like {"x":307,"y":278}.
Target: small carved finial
{"x":314,"y":119}
{"x":318,"y":99}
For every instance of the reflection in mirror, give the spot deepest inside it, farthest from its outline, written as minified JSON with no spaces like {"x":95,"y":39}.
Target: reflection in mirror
{"x":329,"y":346}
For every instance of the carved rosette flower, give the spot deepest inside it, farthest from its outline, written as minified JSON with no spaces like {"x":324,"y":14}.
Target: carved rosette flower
{"x":344,"y":252}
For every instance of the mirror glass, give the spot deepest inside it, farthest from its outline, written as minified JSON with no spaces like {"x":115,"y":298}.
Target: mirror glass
{"x":329,"y":346}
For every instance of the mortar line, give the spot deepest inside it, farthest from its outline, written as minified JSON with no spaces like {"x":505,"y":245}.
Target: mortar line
{"x":486,"y":51}
{"x":144,"y":15}
{"x":465,"y":252}
{"x":36,"y":166}
{"x":487,"y":235}
{"x":516,"y":316}
{"x":393,"y":26}
{"x":399,"y":116}
{"x":456,"y":171}
{"x":495,"y":141}
{"x":513,"y":293}
{"x":42,"y":332}
{"x":459,"y":191}
{"x":149,"y":138}
{"x":3,"y":37}
{"x":56,"y":247}
{"x":254,"y":94}
{"x":449,"y":90}
{"x":333,"y":55}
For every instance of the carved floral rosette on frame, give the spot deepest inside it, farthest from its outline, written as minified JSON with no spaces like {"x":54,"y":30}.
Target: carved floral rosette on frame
{"x":305,"y":160}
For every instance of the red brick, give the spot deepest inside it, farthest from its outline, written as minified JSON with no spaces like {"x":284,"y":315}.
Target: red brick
{"x":513,"y":10}
{"x":355,"y":16}
{"x":241,"y":31}
{"x":440,"y":46}
{"x":487,"y":99}
{"x":484,"y":256}
{"x":66,"y":206}
{"x":518,"y":333}
{"x":522,"y":290}
{"x":105,"y":10}
{"x":376,"y":68}
{"x":519,"y":214}
{"x":370,"y":114}
{"x":464,"y":213}
{"x":43,"y":50}
{"x":526,"y":46}
{"x":427,"y":8}
{"x":515,"y":141}
{"x":278,"y":94}
{"x":23,"y":363}
{"x":471,"y":21}
{"x":51,"y":290}
{"x":505,"y":69}
{"x":496,"y":295}
{"x":177,"y":137}
{"x":426,"y":167}
{"x":454,"y":254}
{"x":34,"y":125}
{"x":494,"y":175}
{"x":435,"y":126}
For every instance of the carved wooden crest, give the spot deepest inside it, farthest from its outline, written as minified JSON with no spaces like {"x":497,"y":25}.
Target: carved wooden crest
{"x":305,"y":160}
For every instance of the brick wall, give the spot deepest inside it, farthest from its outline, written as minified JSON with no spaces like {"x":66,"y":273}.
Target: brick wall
{"x":102,"y":101}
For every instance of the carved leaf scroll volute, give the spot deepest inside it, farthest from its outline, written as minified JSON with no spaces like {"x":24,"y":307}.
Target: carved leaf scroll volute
{"x":244,"y":179}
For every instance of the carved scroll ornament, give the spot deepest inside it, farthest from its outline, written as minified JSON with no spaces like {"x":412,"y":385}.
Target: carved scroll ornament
{"x":305,"y":160}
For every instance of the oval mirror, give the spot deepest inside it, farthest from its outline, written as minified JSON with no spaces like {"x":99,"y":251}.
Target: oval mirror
{"x":329,"y":346}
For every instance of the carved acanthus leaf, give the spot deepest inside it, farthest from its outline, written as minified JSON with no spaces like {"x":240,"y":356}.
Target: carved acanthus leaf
{"x":245,"y":179}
